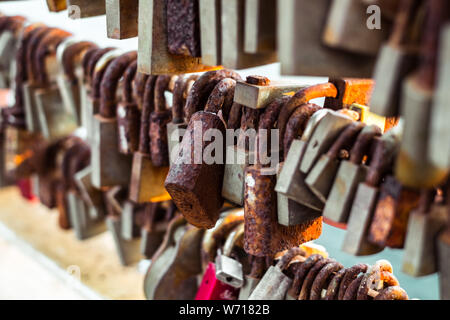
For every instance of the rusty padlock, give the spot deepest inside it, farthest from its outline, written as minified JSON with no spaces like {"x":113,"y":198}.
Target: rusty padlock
{"x":128,"y":114}
{"x":56,"y":5}
{"x":390,"y":219}
{"x":106,"y":160}
{"x":417,"y":108}
{"x":192,"y":172}
{"x":147,"y":180}
{"x":78,"y":9}
{"x":350,"y":174}
{"x":290,"y":212}
{"x":93,"y":197}
{"x":121,"y":18}
{"x":424,"y":225}
{"x":321,"y":177}
{"x":355,"y":241}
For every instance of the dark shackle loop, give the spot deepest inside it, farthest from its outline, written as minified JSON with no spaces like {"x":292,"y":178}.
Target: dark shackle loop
{"x":69,"y":55}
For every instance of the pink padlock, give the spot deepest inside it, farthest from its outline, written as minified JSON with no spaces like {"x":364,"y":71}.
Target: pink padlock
{"x":213,"y":289}
{"x":26,"y":190}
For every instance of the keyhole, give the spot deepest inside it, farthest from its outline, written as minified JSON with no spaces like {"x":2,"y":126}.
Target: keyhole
{"x":229,"y":279}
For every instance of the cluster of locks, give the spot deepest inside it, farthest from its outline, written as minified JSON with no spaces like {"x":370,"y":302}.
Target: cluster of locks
{"x":96,"y":131}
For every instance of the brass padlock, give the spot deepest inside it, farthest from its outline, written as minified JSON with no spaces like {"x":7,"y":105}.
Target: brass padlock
{"x":417,"y":107}
{"x":233,"y":32}
{"x":106,"y":160}
{"x":424,"y":225}
{"x":321,"y":177}
{"x":390,"y":220}
{"x":396,"y":59}
{"x":192,"y":171}
{"x":355,"y":241}
{"x":128,"y":114}
{"x":154,"y":54}
{"x":346,"y":28}
{"x":301,"y":50}
{"x":350,"y":174}
{"x":121,"y":18}
{"x":56,"y":5}
{"x":260,"y":26}
{"x":147,"y":181}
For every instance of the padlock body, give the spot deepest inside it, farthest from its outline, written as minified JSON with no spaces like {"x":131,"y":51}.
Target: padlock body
{"x":31,"y":112}
{"x":233,"y":180}
{"x":150,"y":241}
{"x":419,"y":257}
{"x":213,"y":289}
{"x":70,"y":95}
{"x":55,"y":121}
{"x":416,"y":110}
{"x":92,"y":196}
{"x":291,"y":181}
{"x":320,"y":179}
{"x":147,"y":181}
{"x":127,"y":251}
{"x":355,"y":242}
{"x":390,"y":220}
{"x":340,"y":200}
{"x":273,"y":285}
{"x":250,"y":284}
{"x":109,"y":167}
{"x":196,"y":189}
{"x":393,"y":65}
{"x":229,"y":271}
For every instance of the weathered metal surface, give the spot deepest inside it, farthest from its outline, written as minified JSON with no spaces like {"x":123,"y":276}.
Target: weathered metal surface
{"x":350,"y":91}
{"x":121,"y":18}
{"x":260,"y":26}
{"x":85,"y":8}
{"x":56,"y":5}
{"x":211,"y":32}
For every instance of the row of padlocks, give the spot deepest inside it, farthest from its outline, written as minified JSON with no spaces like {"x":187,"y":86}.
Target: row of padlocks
{"x":136,"y":144}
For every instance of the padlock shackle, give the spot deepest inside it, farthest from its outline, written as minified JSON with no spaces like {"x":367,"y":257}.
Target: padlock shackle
{"x":249,"y":120}
{"x":234,"y":119}
{"x":322,"y":278}
{"x":47,"y":46}
{"x":345,"y":139}
{"x":288,"y":256}
{"x":11,"y":23}
{"x":268,"y":119}
{"x":436,"y":15}
{"x":232,"y":240}
{"x":31,"y":49}
{"x":161,"y":86}
{"x":85,"y":62}
{"x":69,"y":55}
{"x":180,"y":92}
{"x":128,"y":78}
{"x":108,"y":87}
{"x":302,"y":97}
{"x":21,"y":62}
{"x":392,"y":293}
{"x":90,"y":69}
{"x":203,"y":87}
{"x":351,"y":274}
{"x":363,"y":143}
{"x":297,"y":124}
{"x":383,"y":157}
{"x":139,"y":88}
{"x":148,"y":105}
{"x":221,"y":98}
{"x":258,"y":267}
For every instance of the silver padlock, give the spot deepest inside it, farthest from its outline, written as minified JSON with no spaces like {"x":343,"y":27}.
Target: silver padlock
{"x":229,"y":270}
{"x":275,"y":284}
